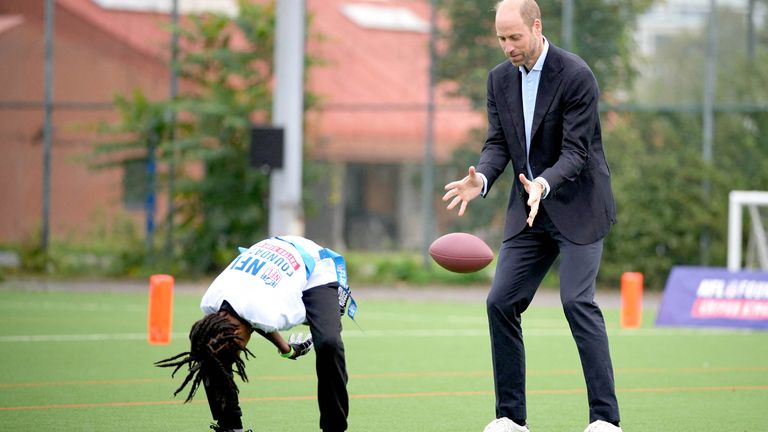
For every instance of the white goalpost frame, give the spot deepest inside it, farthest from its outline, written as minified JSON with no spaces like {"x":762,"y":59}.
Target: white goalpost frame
{"x":737,"y":200}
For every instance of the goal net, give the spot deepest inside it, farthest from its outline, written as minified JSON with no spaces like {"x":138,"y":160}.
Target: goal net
{"x":755,"y":205}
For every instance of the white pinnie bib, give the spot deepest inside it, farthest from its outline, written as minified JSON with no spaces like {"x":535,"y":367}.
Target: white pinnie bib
{"x":264,"y":284}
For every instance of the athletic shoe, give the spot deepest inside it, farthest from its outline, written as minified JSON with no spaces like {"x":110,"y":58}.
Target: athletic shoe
{"x":602,"y":426}
{"x":505,"y":425}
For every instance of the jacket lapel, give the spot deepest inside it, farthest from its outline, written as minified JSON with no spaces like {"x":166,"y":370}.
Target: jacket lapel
{"x":513,"y":94}
{"x":548,"y":85}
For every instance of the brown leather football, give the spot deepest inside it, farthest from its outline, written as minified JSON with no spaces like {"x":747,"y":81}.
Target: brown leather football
{"x":461,"y":252}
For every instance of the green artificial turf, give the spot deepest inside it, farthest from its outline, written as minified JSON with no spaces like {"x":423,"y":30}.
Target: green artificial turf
{"x":79,"y":361}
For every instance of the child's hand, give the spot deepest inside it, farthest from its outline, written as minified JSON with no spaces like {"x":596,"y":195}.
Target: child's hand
{"x":299,"y":345}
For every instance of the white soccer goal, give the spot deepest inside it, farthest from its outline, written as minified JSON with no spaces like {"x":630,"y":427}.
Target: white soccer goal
{"x":757,"y":245}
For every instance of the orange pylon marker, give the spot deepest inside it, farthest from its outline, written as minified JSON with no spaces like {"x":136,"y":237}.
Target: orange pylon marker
{"x":631,"y":299}
{"x":160,"y":309}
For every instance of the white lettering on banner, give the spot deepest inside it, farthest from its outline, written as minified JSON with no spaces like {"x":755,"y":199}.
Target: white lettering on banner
{"x":735,"y":289}
{"x":748,"y":289}
{"x":714,"y":297}
{"x":710,"y":288}
{"x":733,"y":309}
{"x":755,"y":310}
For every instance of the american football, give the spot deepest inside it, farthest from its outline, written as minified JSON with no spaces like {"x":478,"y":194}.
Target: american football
{"x":461,"y":252}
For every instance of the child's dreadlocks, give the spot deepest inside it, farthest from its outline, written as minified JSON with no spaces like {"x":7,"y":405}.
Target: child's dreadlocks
{"x":214,"y":349}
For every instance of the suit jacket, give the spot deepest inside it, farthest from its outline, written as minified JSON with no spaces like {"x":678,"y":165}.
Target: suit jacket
{"x":566,"y":146}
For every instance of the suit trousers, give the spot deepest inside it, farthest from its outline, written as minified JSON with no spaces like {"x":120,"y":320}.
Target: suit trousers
{"x":522,"y":264}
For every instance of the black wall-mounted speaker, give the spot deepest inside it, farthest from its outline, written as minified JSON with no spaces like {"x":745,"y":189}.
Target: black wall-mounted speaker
{"x":267,"y":147}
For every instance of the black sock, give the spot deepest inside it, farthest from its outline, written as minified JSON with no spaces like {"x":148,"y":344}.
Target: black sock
{"x":519,"y":422}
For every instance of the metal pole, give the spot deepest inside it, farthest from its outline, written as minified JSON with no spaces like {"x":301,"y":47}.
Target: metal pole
{"x":427,"y":178}
{"x":751,"y":30}
{"x":47,"y":126}
{"x":710,"y":82}
{"x":285,"y":212}
{"x":736,"y":199}
{"x":174,"y":90}
{"x":708,"y":116}
{"x":149,"y":199}
{"x":761,"y":242}
{"x":567,"y":25}
{"x":734,"y":231}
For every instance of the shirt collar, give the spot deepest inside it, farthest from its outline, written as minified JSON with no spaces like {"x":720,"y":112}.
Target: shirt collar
{"x":540,"y":62}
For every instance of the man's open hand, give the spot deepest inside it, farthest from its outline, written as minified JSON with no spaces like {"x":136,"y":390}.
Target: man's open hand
{"x":463,"y":191}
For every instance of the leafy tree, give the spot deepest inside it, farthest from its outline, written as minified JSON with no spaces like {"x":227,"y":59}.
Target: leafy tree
{"x":469,"y":49}
{"x":220,"y":202}
{"x":655,"y":157}
{"x":136,"y":140}
{"x":226,"y":206}
{"x":659,"y":172}
{"x":602,"y":36}
{"x":662,"y":207}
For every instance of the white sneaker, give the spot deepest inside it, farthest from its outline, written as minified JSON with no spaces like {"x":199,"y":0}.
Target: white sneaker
{"x":505,"y":425}
{"x":602,"y":426}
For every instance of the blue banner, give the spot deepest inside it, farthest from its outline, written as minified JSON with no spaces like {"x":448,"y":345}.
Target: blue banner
{"x":714,"y":297}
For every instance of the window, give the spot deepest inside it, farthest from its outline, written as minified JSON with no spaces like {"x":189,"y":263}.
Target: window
{"x":134,"y":184}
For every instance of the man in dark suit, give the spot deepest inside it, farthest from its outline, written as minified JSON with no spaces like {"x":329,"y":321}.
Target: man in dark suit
{"x":543,"y":120}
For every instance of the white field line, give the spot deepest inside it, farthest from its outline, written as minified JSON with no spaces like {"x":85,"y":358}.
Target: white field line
{"x":414,"y":318}
{"x":65,"y":306}
{"x":427,"y":333}
{"x":79,"y":337}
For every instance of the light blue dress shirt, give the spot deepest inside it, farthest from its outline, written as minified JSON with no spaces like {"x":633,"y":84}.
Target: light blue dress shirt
{"x":530,"y":83}
{"x":530,"y":80}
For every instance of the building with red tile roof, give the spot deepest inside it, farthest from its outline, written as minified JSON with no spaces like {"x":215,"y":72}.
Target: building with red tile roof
{"x":370,"y":123}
